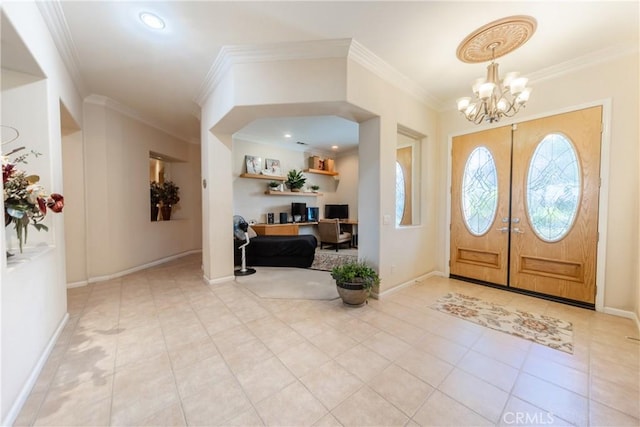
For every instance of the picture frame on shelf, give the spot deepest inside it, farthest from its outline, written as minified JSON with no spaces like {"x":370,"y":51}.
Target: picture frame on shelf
{"x":254,"y":164}
{"x":272,"y":167}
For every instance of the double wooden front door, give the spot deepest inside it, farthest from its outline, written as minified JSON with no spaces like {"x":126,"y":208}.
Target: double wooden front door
{"x":524,"y":205}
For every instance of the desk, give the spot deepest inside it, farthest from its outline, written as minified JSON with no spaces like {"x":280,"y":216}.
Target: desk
{"x":288,"y":229}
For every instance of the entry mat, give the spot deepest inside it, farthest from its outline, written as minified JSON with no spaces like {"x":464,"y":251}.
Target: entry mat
{"x":545,"y":330}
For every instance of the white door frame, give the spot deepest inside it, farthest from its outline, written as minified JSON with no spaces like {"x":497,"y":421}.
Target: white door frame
{"x":603,"y":204}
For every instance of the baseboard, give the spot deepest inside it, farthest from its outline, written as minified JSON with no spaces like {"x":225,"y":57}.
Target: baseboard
{"x":141,"y":267}
{"x":77,"y":284}
{"x":31,"y":381}
{"x":623,"y":313}
{"x":406,"y":284}
{"x":218,"y":280}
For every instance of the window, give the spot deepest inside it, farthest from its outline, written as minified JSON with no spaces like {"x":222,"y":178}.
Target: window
{"x":400,"y":194}
{"x":408,"y":178}
{"x":479,"y":191}
{"x":553,"y":187}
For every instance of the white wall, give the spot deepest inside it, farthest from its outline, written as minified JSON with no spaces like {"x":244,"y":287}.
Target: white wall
{"x":377,"y":155}
{"x":120,"y":236}
{"x":617,"y":80}
{"x":346,"y":184}
{"x":33,"y":291}
{"x":74,"y":211}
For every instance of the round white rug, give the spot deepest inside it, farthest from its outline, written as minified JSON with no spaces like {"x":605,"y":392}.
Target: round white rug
{"x":290,"y":283}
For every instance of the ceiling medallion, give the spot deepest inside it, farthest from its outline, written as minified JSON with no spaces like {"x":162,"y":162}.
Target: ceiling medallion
{"x":506,"y":34}
{"x":495,"y":98}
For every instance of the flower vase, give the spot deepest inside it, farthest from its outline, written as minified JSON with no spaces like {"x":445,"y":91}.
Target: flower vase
{"x":7,"y":221}
{"x":166,"y":213}
{"x":154,"y":213}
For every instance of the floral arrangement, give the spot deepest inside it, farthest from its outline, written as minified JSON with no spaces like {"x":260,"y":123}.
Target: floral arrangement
{"x":169,"y":193}
{"x":155,"y":191}
{"x":25,"y":201}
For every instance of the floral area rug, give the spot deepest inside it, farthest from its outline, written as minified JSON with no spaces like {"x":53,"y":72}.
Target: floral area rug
{"x":545,"y":330}
{"x":325,"y":261}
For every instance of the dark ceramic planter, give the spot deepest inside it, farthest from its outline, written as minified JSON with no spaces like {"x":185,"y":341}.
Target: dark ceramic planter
{"x":352,"y":294}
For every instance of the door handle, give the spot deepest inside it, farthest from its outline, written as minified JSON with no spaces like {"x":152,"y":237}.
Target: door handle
{"x":517,"y":230}
{"x":503,"y":229}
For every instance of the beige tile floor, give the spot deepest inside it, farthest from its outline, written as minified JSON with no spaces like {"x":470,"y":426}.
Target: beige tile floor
{"x":159,"y":347}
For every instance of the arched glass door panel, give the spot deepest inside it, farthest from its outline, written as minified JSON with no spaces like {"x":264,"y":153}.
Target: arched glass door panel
{"x":553,"y":187}
{"x":479,"y":191}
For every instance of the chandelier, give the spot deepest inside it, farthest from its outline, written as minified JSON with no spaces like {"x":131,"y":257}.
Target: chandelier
{"x":494,"y":98}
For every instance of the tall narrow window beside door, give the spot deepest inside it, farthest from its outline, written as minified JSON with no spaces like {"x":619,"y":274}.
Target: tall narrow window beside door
{"x":408,"y":178}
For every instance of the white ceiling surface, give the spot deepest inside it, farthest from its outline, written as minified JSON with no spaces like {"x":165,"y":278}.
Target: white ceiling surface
{"x":159,"y":73}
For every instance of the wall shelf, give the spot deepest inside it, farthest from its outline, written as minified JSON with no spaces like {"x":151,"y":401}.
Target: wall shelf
{"x":291,"y":193}
{"x":267,"y":177}
{"x":321,"y":172}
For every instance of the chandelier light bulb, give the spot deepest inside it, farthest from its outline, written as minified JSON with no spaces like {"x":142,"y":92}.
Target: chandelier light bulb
{"x":518,"y":85}
{"x":463,"y":103}
{"x":485,"y":91}
{"x":476,"y":85}
{"x":510,"y":77}
{"x":524,"y":96}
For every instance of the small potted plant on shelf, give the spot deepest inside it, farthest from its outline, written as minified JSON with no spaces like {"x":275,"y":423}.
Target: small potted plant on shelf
{"x":273,"y":185}
{"x":295,"y":180}
{"x":315,"y":188}
{"x":169,"y":197}
{"x":154,"y":190}
{"x":354,"y":280}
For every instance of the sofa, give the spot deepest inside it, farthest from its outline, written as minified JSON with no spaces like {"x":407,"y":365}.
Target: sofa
{"x":278,"y":251}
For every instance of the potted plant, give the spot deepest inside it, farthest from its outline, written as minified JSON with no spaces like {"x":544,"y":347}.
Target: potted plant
{"x":295,"y":180}
{"x":354,"y":280}
{"x":154,"y":190}
{"x":315,"y":188}
{"x":169,"y":197}
{"x":273,"y":185}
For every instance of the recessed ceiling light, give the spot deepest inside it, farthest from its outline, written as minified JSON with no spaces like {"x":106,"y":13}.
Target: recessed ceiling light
{"x":152,"y":21}
{"x":334,"y":147}
{"x":287,"y":135}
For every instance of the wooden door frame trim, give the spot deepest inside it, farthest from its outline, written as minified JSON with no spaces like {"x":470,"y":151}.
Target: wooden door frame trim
{"x":603,"y":203}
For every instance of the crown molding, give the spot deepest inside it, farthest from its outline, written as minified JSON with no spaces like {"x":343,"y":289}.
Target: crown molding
{"x":315,"y":49}
{"x":53,"y":17}
{"x":382,"y":69}
{"x":605,"y":55}
{"x":230,"y":55}
{"x":114,"y":105}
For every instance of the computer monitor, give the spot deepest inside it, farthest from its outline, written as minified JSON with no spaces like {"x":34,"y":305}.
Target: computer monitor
{"x":336,"y":211}
{"x":313,"y":214}
{"x":299,"y":212}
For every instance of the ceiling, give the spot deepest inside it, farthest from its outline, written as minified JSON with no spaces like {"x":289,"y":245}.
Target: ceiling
{"x":159,"y":73}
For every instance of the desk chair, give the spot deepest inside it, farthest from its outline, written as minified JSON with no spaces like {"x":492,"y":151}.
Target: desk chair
{"x":329,"y":230}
